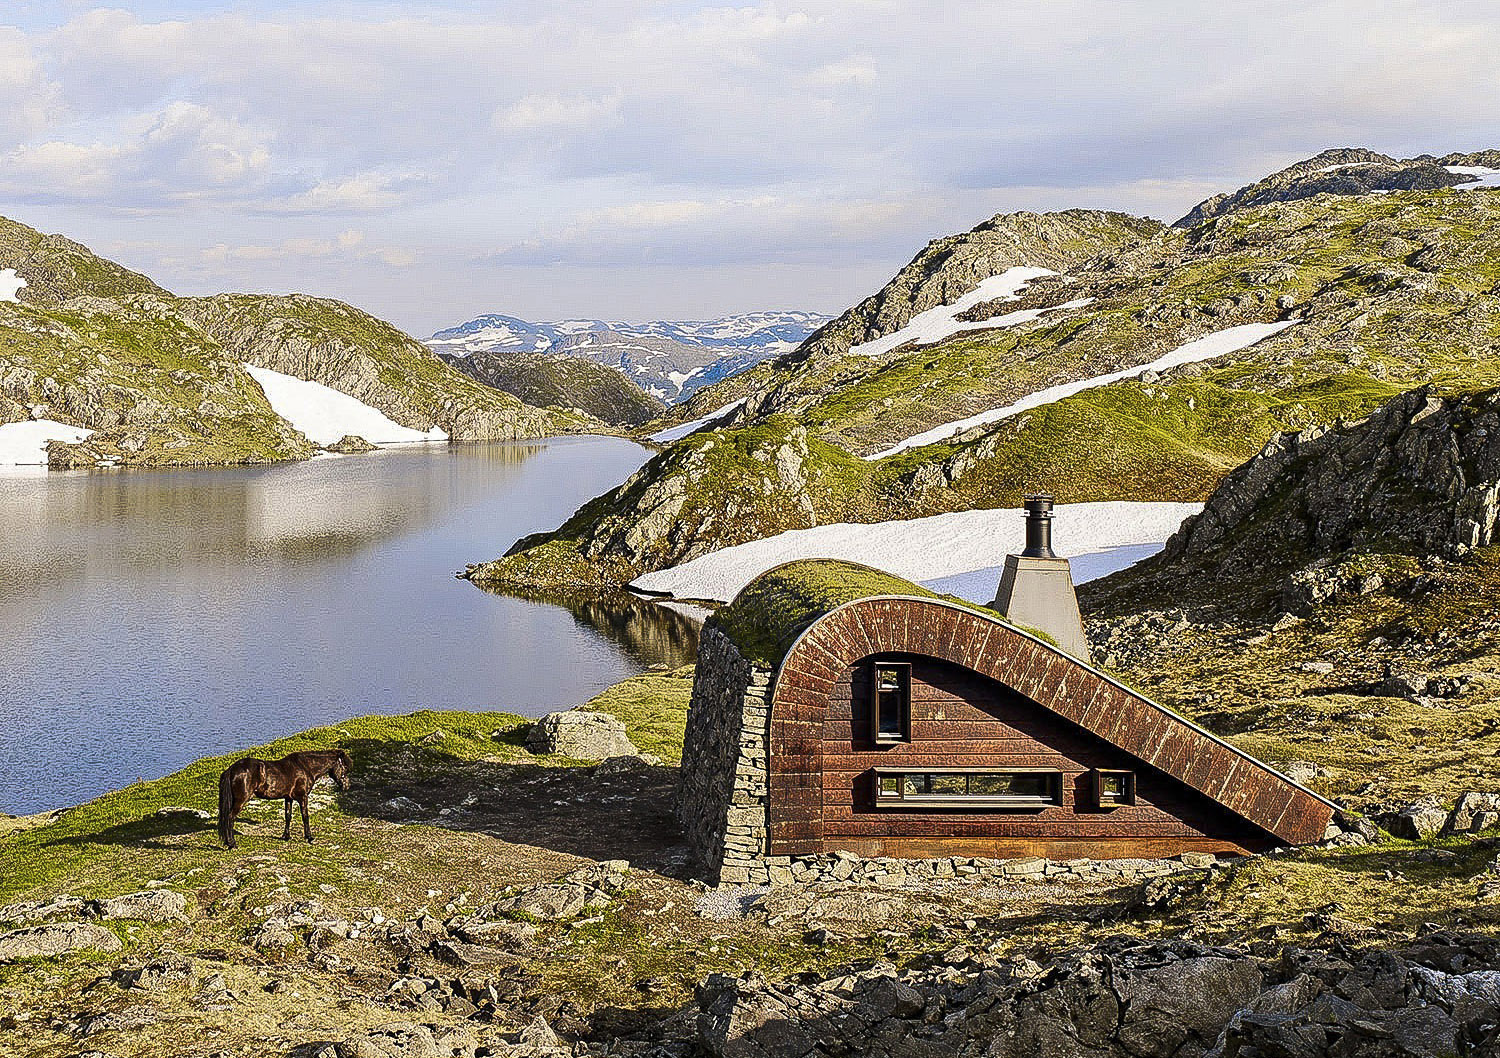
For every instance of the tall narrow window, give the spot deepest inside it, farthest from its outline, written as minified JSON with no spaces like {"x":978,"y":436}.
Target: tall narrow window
{"x":890,"y":701}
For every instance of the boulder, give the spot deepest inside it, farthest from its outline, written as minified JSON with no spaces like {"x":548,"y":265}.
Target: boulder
{"x":1418,"y":821}
{"x":60,"y":938}
{"x":547,"y":903}
{"x":581,"y":734}
{"x":149,"y":905}
{"x":1166,"y":1006}
{"x":1474,"y":812}
{"x":61,"y":906}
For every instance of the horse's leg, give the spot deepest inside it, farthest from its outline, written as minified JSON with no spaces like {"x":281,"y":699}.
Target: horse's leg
{"x":286,"y":831}
{"x":306,"y":826}
{"x":241,"y":798}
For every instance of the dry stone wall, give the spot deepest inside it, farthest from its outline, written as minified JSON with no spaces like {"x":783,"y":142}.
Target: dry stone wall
{"x":721,"y":796}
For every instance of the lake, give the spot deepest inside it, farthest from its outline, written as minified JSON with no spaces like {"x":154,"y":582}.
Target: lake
{"x":149,"y":618}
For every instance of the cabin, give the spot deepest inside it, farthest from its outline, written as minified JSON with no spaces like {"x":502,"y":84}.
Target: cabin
{"x":837,"y":707}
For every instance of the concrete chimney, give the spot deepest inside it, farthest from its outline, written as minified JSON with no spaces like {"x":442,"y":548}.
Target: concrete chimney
{"x":1036,"y":587}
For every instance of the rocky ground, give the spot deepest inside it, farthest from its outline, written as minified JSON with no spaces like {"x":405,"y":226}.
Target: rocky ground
{"x":480,"y":892}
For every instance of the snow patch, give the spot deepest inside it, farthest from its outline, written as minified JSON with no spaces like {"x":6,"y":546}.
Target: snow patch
{"x":677,"y":433}
{"x":25,"y":443}
{"x":325,"y":415}
{"x":1210,"y":346}
{"x":10,"y":284}
{"x":940,"y":322}
{"x":1098,"y":537}
{"x":1483,"y":176}
{"x":1344,"y":165}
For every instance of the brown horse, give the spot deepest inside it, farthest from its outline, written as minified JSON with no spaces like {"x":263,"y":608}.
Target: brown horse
{"x":290,"y":778}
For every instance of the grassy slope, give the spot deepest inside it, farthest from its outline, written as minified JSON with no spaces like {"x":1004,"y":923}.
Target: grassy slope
{"x":97,"y":345}
{"x":1393,"y":290}
{"x":146,"y":379}
{"x":337,"y":344}
{"x":108,"y":839}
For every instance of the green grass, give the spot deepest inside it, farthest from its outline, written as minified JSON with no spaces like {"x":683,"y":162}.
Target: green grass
{"x":772,"y":610}
{"x":107,"y":845}
{"x":653,"y":708}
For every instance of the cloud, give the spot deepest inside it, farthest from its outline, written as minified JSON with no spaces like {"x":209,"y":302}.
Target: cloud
{"x":632,"y":137}
{"x":359,"y":192}
{"x":545,"y":112}
{"x":852,"y":71}
{"x":180,"y":152}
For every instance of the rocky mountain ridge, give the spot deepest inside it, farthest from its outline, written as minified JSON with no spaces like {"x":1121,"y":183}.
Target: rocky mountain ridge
{"x":1357,"y":296}
{"x":561,"y":381}
{"x":670,"y":359}
{"x":160,"y":380}
{"x":1347,"y":171}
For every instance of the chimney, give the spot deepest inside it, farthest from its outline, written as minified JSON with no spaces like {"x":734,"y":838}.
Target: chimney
{"x":1036,"y":587}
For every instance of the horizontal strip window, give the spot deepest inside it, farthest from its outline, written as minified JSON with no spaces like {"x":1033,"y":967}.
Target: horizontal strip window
{"x":976,"y":787}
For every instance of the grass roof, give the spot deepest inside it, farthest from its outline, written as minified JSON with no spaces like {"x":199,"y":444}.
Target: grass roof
{"x":769,"y":613}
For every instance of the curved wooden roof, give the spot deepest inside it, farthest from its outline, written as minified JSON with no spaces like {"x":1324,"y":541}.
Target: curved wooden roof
{"x":1057,"y":681}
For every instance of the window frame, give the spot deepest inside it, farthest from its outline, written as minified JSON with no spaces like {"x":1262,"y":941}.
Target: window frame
{"x":1052,"y":799}
{"x":903,"y":690}
{"x":1105,"y":800}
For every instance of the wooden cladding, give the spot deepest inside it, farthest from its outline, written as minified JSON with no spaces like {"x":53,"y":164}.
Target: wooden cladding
{"x":980,"y":695}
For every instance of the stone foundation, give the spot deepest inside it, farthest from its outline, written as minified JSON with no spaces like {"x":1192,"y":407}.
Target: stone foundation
{"x":721,"y":795}
{"x":893,"y":873}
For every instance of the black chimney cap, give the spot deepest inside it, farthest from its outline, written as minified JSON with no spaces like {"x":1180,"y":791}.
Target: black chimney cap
{"x":1039,"y":527}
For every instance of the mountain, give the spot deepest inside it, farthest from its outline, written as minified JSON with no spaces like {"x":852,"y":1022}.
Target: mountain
{"x":100,"y":356}
{"x":558,"y":380}
{"x":1333,"y":606}
{"x":670,"y":359}
{"x":1093,"y":355}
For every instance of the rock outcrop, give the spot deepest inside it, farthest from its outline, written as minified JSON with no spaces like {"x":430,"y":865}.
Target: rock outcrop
{"x":556,"y":380}
{"x":54,"y":939}
{"x":950,"y":267}
{"x":353,"y":352}
{"x":1420,"y":476}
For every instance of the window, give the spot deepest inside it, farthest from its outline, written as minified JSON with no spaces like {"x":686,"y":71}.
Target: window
{"x":940,"y":787}
{"x":1113,"y":788}
{"x":890,"y":701}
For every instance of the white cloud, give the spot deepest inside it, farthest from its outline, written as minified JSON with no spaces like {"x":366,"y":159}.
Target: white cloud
{"x":361,"y":192}
{"x":633,"y":137}
{"x":859,"y":71}
{"x":544,"y":111}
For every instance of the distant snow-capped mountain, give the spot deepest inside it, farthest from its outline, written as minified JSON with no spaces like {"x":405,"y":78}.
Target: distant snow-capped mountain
{"x":671,"y":359}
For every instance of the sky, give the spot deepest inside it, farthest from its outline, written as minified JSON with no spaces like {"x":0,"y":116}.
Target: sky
{"x":639,"y":160}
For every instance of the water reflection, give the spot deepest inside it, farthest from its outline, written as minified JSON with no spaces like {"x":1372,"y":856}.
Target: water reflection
{"x":651,"y":633}
{"x":150,"y":618}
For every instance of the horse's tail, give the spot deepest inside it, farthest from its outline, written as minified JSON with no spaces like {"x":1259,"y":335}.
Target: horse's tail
{"x":226,"y":808}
